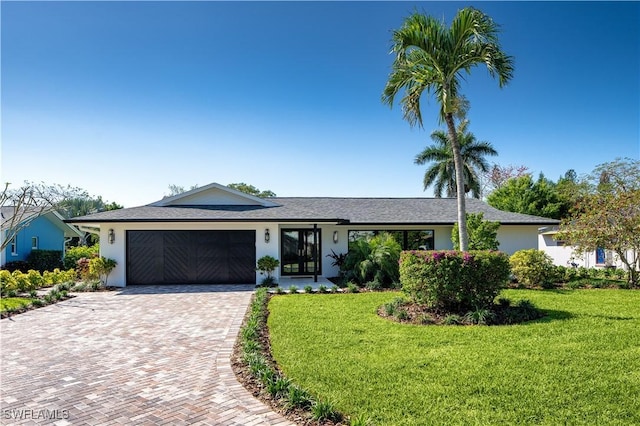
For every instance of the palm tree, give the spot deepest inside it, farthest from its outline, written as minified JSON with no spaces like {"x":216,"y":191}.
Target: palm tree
{"x":442,"y":173}
{"x":432,"y":56}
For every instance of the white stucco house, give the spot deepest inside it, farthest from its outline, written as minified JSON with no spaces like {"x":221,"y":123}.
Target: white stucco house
{"x":566,"y":255}
{"x":214,"y":234}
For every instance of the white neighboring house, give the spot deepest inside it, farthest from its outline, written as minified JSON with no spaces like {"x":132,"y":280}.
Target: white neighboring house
{"x":215,"y":234}
{"x":566,"y":255}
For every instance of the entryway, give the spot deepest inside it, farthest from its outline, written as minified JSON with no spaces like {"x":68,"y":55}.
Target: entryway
{"x":300,"y":252}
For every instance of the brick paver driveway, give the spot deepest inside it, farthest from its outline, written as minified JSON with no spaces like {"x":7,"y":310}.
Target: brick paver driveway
{"x":144,"y":355}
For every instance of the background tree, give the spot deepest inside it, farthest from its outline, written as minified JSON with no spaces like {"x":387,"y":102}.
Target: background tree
{"x":498,"y":175}
{"x":178,"y":189}
{"x":609,"y":215}
{"x":84,"y":204}
{"x":483,"y":234}
{"x":252,"y":190}
{"x":433,"y":57}
{"x":242,"y":187}
{"x":523,"y":195}
{"x":442,"y":173}
{"x":20,"y":206}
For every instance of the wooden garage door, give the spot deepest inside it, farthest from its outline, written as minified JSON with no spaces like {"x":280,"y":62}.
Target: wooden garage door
{"x":191,"y":257}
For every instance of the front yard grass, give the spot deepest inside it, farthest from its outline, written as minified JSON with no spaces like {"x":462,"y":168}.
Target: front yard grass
{"x":578,"y":365}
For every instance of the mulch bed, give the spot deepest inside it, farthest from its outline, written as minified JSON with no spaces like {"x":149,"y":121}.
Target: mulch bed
{"x":257,"y":389}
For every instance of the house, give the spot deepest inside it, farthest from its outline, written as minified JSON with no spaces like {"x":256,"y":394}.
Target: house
{"x":215,"y":234}
{"x":566,"y":255}
{"x":46,"y":231}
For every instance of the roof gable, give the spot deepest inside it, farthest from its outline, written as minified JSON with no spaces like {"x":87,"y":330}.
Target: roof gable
{"x":52,"y":216}
{"x":213,"y":194}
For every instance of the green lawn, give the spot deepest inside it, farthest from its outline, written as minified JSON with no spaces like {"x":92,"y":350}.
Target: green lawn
{"x":580,"y":365}
{"x":10,"y":303}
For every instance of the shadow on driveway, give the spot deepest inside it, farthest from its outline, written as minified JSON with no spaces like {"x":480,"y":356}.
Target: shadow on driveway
{"x":183,"y":288}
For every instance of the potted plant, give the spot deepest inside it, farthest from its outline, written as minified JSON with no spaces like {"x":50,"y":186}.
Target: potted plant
{"x":266,"y":266}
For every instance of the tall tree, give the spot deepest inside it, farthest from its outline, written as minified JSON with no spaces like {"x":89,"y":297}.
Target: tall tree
{"x":442,"y":173}
{"x":608,"y":216}
{"x":524,"y":195}
{"x":498,"y":175}
{"x":84,"y":204}
{"x":433,"y":57}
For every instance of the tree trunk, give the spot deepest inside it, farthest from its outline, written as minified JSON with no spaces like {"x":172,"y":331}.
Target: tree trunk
{"x":457,"y":161}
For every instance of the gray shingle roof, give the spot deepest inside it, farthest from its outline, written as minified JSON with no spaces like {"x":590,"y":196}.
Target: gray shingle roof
{"x":321,"y":209}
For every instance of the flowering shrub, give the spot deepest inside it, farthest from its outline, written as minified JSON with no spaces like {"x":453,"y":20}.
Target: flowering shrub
{"x":454,"y":281}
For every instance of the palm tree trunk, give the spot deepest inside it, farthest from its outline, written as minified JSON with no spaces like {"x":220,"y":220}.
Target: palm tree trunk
{"x":457,"y":161}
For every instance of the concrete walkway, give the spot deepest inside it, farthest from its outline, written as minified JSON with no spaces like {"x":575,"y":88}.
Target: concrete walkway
{"x":148,"y":355}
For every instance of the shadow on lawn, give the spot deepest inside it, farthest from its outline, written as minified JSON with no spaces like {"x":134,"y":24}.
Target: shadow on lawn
{"x":553,"y":315}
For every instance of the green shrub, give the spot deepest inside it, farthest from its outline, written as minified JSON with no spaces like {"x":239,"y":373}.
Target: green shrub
{"x":453,"y":281}
{"x":373,"y":260}
{"x":483,"y":234}
{"x":7,"y":282}
{"x":452,"y":319}
{"x":533,"y":268}
{"x":17,"y":265}
{"x":74,"y":254}
{"x":479,"y":316}
{"x":308,"y":289}
{"x":35,"y":279}
{"x":323,"y":410}
{"x":293,"y":289}
{"x":22,"y":281}
{"x":45,"y":260}
{"x":266,"y":265}
{"x":100,"y":268}
{"x":322,"y":288}
{"x":298,"y":397}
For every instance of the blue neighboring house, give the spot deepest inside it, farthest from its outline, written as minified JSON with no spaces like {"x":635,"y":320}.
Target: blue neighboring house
{"x":45,"y":232}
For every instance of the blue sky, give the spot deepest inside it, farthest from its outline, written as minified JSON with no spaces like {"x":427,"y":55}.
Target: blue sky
{"x":125,"y":98}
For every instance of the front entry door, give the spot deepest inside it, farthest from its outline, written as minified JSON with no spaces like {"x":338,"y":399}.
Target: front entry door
{"x":299,"y":252}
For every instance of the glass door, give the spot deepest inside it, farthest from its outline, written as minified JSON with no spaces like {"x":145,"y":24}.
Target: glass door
{"x":298,"y":249}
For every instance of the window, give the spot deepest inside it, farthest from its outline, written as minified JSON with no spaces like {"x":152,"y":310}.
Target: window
{"x":34,"y":243}
{"x":14,"y":246}
{"x":409,"y":240}
{"x":601,"y":256}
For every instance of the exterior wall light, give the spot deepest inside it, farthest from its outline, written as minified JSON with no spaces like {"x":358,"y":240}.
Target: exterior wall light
{"x":335,"y":237}
{"x":267,"y":236}
{"x":112,"y":236}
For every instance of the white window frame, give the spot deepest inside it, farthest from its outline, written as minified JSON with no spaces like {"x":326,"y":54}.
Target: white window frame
{"x":35,"y":241}
{"x":14,"y":245}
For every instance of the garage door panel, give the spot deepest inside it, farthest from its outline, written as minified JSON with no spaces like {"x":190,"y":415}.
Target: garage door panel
{"x":148,"y":268}
{"x":174,"y":257}
{"x":177,"y":264}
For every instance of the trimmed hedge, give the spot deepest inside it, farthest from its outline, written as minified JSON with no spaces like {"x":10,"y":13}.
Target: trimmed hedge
{"x":454,"y":281}
{"x":45,"y":260}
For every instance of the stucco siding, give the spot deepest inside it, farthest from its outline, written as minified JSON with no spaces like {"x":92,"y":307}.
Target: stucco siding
{"x":517,"y":237}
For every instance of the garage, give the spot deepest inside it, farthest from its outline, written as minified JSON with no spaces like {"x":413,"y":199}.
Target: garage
{"x":191,"y":257}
